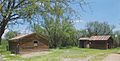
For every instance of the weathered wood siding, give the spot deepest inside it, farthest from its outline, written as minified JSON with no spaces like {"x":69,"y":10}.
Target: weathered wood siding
{"x":13,"y":47}
{"x":29,"y":46}
{"x":102,"y":44}
{"x":26,"y":45}
{"x":98,"y":44}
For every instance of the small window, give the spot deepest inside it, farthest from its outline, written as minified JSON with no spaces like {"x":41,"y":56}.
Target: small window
{"x":35,"y":43}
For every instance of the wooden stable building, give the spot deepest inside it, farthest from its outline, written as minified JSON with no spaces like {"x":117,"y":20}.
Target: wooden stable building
{"x":28,"y":43}
{"x":101,"y":42}
{"x":97,"y":42}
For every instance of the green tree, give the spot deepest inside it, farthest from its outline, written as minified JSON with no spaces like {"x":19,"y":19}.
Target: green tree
{"x":61,"y":34}
{"x":116,"y":37}
{"x":56,"y":26}
{"x":11,"y":10}
{"x":82,"y":33}
{"x":10,"y":34}
{"x":99,"y":28}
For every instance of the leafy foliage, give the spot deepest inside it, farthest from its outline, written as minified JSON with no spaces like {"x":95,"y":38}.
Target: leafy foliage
{"x":82,"y":33}
{"x":99,"y":28}
{"x":10,"y":34}
{"x":116,"y":36}
{"x":56,"y":26}
{"x":12,"y":10}
{"x":61,"y":34}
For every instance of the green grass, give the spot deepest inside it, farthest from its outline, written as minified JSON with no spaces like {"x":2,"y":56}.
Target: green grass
{"x":3,"y":49}
{"x":70,"y":53}
{"x":61,"y":54}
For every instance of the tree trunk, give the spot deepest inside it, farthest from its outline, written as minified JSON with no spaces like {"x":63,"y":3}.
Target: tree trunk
{"x":0,"y":40}
{"x":2,"y":28}
{"x":1,"y":33}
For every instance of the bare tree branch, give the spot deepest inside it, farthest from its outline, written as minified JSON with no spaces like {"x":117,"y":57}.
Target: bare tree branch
{"x":14,"y":15}
{"x":14,"y":18}
{"x":19,"y":4}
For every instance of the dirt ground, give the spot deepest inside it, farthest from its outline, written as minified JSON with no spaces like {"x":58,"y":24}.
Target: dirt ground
{"x":32,"y":54}
{"x":112,"y":57}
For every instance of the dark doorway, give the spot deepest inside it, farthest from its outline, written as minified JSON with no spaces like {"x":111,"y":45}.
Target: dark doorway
{"x":82,"y":44}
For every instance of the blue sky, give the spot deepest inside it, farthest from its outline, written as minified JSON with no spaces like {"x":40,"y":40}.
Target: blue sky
{"x":101,"y":10}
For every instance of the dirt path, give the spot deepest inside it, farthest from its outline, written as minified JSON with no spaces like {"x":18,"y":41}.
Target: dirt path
{"x":112,"y":57}
{"x":34,"y":54}
{"x":1,"y":58}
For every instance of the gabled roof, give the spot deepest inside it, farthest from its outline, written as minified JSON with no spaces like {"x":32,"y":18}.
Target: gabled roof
{"x":21,"y":36}
{"x":93,"y":38}
{"x":33,"y":35}
{"x":26,"y":35}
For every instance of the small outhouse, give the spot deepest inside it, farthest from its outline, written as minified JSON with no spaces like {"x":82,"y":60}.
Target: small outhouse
{"x":84,"y":42}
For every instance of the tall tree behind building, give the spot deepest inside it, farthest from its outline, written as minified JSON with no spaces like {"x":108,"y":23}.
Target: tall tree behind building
{"x":99,"y":28}
{"x":12,"y":10}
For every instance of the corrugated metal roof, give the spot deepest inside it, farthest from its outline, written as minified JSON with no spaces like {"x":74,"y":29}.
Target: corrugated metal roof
{"x":106,"y":37}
